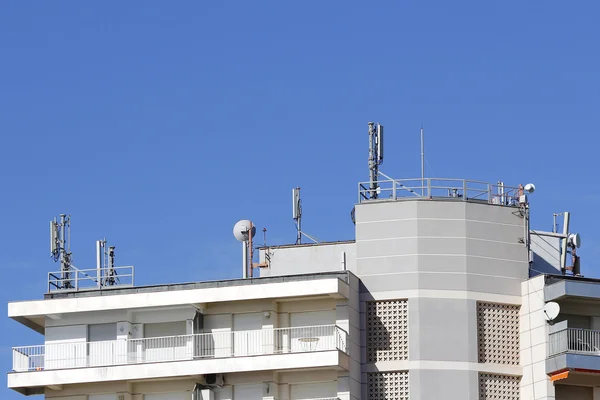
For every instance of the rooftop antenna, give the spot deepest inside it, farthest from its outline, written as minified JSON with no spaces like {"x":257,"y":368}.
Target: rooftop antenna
{"x":244,"y":231}
{"x":297,"y":213}
{"x":60,"y":248}
{"x":422,"y":160}
{"x":375,"y":156}
{"x":297,"y":216}
{"x":106,"y":274}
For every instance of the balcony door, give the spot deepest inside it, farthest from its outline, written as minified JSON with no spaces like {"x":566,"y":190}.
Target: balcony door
{"x":166,"y":341}
{"x":102,"y":397}
{"x":168,"y":396}
{"x":248,"y":392}
{"x":313,"y":331}
{"x":247,"y":334}
{"x":102,"y":344}
{"x":309,"y":391}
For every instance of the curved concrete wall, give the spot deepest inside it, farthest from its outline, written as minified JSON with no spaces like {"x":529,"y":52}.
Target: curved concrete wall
{"x":444,"y":257}
{"x":445,"y":245}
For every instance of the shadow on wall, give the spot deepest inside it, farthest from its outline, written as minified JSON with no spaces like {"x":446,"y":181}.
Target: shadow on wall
{"x":378,"y":336}
{"x":541,"y":266}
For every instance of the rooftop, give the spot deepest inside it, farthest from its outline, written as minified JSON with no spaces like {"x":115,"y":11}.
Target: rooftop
{"x":119,"y":290}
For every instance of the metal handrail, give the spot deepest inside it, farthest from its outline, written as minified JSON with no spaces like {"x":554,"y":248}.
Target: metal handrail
{"x":574,"y":340}
{"x":90,"y":278}
{"x":429,"y":188}
{"x":179,"y":348}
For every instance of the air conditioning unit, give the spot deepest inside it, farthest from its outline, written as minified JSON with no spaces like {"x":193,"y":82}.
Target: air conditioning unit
{"x":213,"y":380}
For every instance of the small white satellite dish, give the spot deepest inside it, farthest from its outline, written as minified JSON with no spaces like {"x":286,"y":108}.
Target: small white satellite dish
{"x":530,"y":187}
{"x":574,"y":240}
{"x":551,"y":311}
{"x":241,"y":228}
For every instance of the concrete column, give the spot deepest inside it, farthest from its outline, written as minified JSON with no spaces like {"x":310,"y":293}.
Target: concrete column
{"x":189,"y":344}
{"x":284,"y":335}
{"x":269,"y":322}
{"x":343,"y":387}
{"x":283,"y":391}
{"x":124,"y":333}
{"x":596,"y":393}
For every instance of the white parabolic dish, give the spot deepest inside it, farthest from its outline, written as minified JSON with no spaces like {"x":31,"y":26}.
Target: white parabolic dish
{"x":240,"y":230}
{"x":551,"y":311}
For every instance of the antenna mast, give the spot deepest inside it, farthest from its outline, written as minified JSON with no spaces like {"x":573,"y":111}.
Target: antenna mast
{"x":60,"y":247}
{"x":422,"y":160}
{"x":106,"y":274}
{"x":375,"y":156}
{"x":297,"y":213}
{"x":297,"y":216}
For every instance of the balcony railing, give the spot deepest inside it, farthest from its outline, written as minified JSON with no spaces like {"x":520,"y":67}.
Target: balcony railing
{"x":180,"y":348}
{"x":573,"y":340}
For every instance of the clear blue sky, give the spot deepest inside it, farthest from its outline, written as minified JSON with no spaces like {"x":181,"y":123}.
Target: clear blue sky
{"x":160,"y":124}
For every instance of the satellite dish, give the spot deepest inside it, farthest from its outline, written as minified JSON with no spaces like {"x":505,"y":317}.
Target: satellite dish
{"x":551,"y":311}
{"x":241,"y":228}
{"x":530,"y":187}
{"x":575,"y":240}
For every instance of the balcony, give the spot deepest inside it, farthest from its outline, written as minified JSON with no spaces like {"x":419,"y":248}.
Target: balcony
{"x":573,"y":349}
{"x":572,"y":340}
{"x":65,"y":363}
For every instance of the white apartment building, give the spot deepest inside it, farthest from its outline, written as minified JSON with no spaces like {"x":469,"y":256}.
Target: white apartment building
{"x":442,"y":295}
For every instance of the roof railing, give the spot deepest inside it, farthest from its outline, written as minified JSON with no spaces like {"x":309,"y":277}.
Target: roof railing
{"x":439,"y":188}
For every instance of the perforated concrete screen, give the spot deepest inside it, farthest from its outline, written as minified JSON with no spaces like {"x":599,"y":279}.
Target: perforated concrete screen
{"x":388,"y":385}
{"x":387,"y":330}
{"x":498,"y":333}
{"x":498,"y":387}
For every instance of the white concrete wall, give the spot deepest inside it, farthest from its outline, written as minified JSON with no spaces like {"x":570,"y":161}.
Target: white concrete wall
{"x":546,"y":255}
{"x":266,"y":385}
{"x":305,"y":259}
{"x":535,"y":384}
{"x":150,"y":300}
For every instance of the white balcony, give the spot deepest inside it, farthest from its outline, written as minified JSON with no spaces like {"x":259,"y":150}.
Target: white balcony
{"x":221,"y":352}
{"x":573,"y":340}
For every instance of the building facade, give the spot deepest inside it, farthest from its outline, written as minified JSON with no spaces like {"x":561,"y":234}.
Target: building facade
{"x":442,"y":294}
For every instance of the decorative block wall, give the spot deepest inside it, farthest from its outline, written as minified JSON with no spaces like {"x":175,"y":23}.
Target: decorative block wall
{"x":498,"y":387}
{"x":388,"y":385}
{"x":387,"y":330}
{"x":498,"y":333}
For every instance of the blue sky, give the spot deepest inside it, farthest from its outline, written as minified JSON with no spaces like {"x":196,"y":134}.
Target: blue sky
{"x":160,"y":124}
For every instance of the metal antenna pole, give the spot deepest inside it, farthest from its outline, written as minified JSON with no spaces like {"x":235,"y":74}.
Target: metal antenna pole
{"x":422,"y":160}
{"x":251,"y":251}
{"x":245,"y":261}
{"x":297,"y":213}
{"x":372,"y":162}
{"x":99,"y":254}
{"x":564,"y":240}
{"x":111,"y":266}
{"x":65,"y":263}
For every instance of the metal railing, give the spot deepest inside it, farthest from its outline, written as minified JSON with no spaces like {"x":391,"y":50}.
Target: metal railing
{"x":77,"y":279}
{"x":430,"y":188}
{"x":574,"y":340}
{"x":179,"y":348}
